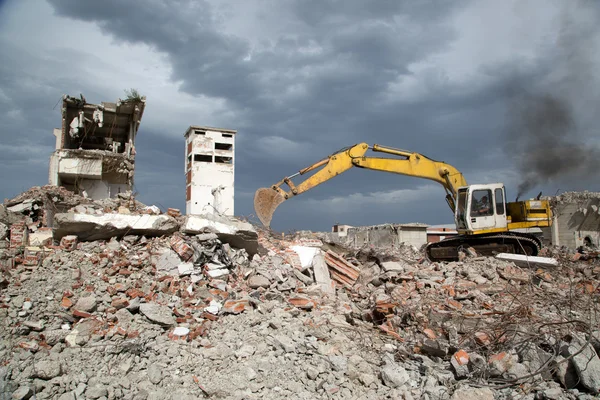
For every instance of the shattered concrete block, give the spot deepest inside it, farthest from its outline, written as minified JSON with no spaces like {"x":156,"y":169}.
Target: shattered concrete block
{"x":105,"y":226}
{"x":158,"y":314}
{"x":168,"y":263}
{"x":321,"y":273}
{"x":185,"y":268}
{"x":42,"y":237}
{"x":527,"y":261}
{"x":3,"y":231}
{"x":435,"y":348}
{"x":239,"y":234}
{"x":392,"y":266}
{"x":394,"y":375}
{"x":258,"y":281}
{"x":586,"y":363}
{"x":217,"y":273}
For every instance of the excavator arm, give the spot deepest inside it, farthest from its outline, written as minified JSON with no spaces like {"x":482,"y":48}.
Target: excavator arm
{"x":266,"y":200}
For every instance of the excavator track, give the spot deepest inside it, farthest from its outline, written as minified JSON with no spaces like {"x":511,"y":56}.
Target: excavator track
{"x":487,"y":245}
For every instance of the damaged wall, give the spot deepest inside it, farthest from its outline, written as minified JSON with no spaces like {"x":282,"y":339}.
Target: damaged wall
{"x":388,"y":235}
{"x":95,"y":148}
{"x":576,"y":220}
{"x":210,"y":170}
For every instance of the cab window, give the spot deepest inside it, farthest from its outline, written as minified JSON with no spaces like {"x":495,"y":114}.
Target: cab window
{"x":499,"y":202}
{"x":460,"y":208}
{"x":481,"y":205}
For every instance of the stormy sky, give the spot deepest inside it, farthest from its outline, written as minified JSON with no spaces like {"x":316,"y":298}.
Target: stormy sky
{"x":506,"y":91}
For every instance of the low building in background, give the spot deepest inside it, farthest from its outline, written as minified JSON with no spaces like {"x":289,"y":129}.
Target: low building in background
{"x":435,"y":233}
{"x":210,"y":170}
{"x":386,"y":235}
{"x":95,"y":147}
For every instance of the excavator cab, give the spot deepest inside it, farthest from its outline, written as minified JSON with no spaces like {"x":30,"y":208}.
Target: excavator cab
{"x":481,"y":209}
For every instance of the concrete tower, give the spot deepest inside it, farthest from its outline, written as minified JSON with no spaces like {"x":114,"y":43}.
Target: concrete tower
{"x":209,"y":169}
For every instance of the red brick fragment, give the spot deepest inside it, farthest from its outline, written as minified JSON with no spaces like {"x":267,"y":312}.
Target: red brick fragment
{"x":81,"y":314}
{"x":69,"y":243}
{"x":461,"y":357}
{"x":124,"y":271}
{"x":31,"y":261}
{"x":66,"y":303}
{"x":119,"y":303}
{"x":235,"y":306}
{"x":454,"y":304}
{"x":209,"y":316}
{"x":429,"y":333}
{"x":181,"y":247}
{"x":133,"y":293}
{"x":302,"y":302}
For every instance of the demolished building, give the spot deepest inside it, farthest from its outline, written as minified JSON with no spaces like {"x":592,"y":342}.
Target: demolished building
{"x":209,"y":170}
{"x":576,"y":220}
{"x":95,"y":147}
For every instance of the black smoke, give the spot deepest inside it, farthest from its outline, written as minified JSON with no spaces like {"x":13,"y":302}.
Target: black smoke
{"x":546,"y":143}
{"x":553,"y":118}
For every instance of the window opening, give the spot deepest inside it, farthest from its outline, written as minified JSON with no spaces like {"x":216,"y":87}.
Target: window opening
{"x":223,"y":146}
{"x":202,"y":158}
{"x":223,"y":160}
{"x":480,"y":203}
{"x":229,"y":135}
{"x":499,"y":202}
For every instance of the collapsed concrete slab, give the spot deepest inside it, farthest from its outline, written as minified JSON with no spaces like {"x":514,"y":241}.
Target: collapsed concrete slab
{"x":238,"y":234}
{"x":528,"y":261}
{"x":105,"y":226}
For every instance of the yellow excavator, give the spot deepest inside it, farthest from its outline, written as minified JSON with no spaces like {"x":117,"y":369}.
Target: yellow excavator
{"x":484,"y":220}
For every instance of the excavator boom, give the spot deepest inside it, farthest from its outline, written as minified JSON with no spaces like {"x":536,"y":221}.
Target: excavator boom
{"x":266,"y":200}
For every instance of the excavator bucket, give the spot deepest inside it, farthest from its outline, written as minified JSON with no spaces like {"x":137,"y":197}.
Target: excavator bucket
{"x":266,"y":201}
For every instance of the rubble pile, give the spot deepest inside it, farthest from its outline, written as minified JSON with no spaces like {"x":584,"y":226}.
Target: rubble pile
{"x":215,"y":307}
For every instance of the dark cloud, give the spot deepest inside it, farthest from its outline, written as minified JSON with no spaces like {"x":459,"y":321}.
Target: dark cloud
{"x":305,"y":79}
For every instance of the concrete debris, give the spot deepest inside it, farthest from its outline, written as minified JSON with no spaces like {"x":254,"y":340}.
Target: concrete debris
{"x":238,"y":234}
{"x":89,"y":227}
{"x":270,"y":316}
{"x":528,"y":261}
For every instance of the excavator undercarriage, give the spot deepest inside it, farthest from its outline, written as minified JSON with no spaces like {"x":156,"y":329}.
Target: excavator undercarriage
{"x":485,"y":245}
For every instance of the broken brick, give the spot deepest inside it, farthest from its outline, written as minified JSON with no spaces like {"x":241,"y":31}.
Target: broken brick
{"x":66,"y":303}
{"x":302,"y":302}
{"x":454,"y":304}
{"x":119,"y":303}
{"x":235,"y":306}
{"x":81,"y":314}
{"x":69,"y":242}
{"x":181,"y":247}
{"x":461,"y":357}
